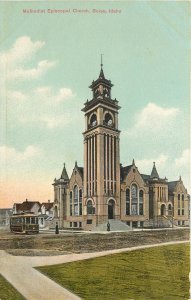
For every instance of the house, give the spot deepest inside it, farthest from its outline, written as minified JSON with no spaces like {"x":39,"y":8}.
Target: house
{"x":45,"y":214}
{"x":26,"y":207}
{"x":5,"y":214}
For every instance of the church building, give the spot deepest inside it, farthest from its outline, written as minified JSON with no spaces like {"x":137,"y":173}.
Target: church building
{"x":105,"y":190}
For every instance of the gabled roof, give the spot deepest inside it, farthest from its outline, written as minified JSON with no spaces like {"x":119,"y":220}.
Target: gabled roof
{"x":81,"y":171}
{"x":146,"y":177}
{"x":28,"y":205}
{"x":124,"y":171}
{"x":171,"y":186}
{"x":47,"y":205}
{"x":17,"y":205}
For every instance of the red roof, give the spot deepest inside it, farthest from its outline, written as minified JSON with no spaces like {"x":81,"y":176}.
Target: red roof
{"x":26,"y":205}
{"x":47,"y":205}
{"x":17,"y":205}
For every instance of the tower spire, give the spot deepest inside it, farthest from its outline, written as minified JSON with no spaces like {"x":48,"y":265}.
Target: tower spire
{"x":64,"y":174}
{"x":101,"y":75}
{"x":101,"y":61}
{"x":154,"y":173}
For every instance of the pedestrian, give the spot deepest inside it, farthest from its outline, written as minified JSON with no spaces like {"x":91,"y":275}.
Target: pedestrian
{"x":57,"y":230}
{"x":108,"y":226}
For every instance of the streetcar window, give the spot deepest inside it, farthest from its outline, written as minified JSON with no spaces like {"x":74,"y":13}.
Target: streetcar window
{"x":32,"y":220}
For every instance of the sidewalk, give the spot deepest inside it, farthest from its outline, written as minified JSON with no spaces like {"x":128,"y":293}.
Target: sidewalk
{"x":20,"y":272}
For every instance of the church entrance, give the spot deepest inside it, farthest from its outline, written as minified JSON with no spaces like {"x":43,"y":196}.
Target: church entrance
{"x":163,"y":210}
{"x":111,"y":208}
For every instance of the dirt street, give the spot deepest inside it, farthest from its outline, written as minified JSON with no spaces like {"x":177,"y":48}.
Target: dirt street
{"x":72,"y":242}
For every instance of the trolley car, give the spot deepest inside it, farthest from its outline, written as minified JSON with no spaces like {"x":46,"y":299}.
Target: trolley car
{"x":24,"y":223}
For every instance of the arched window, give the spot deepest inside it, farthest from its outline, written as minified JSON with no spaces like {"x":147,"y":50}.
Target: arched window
{"x":80,"y":202}
{"x":134,"y":199}
{"x":182,"y":201}
{"x":108,"y":119}
{"x":93,"y":120}
{"x":89,"y":207}
{"x":76,"y":205}
{"x":178,"y":200}
{"x":141,"y":203}
{"x":127,"y":201}
{"x":170,"y":210}
{"x":71,"y":203}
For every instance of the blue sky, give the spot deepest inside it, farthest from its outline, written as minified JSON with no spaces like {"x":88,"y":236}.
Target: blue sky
{"x":49,"y":60}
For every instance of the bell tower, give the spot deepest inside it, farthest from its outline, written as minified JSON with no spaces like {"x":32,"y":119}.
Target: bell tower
{"x":101,"y":151}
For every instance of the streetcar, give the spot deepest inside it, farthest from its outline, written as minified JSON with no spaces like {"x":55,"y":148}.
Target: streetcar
{"x":26,"y":223}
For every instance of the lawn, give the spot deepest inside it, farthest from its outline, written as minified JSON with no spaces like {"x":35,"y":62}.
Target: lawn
{"x":155,"y":273}
{"x":7,"y":291}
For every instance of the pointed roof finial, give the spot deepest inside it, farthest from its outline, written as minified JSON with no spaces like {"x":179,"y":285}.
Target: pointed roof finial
{"x":133,"y":162}
{"x":101,"y":75}
{"x":101,"y":61}
{"x":64,"y":174}
{"x":180,"y":178}
{"x":76,"y":164}
{"x":154,"y":173}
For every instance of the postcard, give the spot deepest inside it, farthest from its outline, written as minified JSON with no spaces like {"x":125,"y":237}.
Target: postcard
{"x":94,"y":149}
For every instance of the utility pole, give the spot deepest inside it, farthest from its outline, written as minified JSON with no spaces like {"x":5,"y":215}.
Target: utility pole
{"x":172,"y":216}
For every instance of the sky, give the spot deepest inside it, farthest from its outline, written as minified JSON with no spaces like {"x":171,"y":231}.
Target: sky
{"x":48,"y":61}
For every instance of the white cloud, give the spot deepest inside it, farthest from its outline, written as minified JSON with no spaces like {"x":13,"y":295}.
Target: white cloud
{"x":49,"y":95}
{"x":184,"y":159}
{"x":168,"y":166}
{"x":22,"y":50}
{"x":64,"y":94}
{"x":10,"y":154}
{"x":19,"y":63}
{"x":16,"y":95}
{"x":34,"y":73}
{"x":14,"y":61}
{"x":145,"y":165}
{"x":44,"y":91}
{"x":45,"y":100}
{"x":153,"y":118}
{"x":56,"y":121}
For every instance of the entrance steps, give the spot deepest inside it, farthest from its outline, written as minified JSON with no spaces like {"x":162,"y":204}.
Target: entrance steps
{"x":115,"y":225}
{"x":160,"y":221}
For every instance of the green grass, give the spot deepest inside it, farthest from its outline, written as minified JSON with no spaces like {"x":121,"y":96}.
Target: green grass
{"x":155,"y":273}
{"x":7,"y":291}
